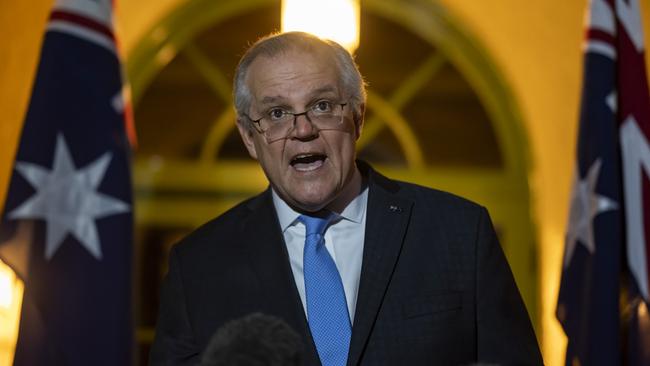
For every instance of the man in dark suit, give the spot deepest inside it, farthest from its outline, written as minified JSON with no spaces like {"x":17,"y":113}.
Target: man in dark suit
{"x":368,"y":270}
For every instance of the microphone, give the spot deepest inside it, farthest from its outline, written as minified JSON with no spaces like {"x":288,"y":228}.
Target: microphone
{"x":254,"y":340}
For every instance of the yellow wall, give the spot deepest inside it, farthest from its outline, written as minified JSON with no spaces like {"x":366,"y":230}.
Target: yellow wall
{"x":538,"y":46}
{"x":24,"y":21}
{"x":21,"y":24}
{"x":537,"y":43}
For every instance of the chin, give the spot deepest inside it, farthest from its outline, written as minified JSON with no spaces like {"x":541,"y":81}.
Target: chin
{"x":311,"y":203}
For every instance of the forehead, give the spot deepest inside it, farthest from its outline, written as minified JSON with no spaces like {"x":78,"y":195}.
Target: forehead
{"x":292,"y":76}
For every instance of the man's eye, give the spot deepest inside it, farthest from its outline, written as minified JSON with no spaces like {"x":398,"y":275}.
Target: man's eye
{"x":323,"y":106}
{"x":276,"y":114}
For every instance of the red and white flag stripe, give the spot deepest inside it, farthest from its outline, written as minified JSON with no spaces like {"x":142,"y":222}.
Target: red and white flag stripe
{"x":85,"y":19}
{"x":634,"y":121}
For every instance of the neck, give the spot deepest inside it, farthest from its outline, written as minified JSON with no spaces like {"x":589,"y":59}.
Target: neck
{"x":349,"y":193}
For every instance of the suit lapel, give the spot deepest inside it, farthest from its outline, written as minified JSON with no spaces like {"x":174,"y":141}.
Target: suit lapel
{"x":270,"y":260}
{"x":386,"y":223}
{"x":387,"y":220}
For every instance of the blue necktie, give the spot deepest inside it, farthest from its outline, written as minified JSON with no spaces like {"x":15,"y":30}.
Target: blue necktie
{"x":327,"y":309}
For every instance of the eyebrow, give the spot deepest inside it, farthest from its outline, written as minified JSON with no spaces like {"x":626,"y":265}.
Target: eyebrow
{"x":317,"y":92}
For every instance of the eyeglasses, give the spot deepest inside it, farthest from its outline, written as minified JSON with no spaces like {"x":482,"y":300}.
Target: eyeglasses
{"x":277,"y":123}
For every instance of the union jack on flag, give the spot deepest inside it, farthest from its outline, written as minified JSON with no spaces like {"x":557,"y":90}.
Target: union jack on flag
{"x":66,"y":226}
{"x":604,"y":293}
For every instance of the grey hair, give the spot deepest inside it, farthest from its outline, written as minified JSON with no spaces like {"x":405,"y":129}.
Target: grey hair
{"x":274,"y":44}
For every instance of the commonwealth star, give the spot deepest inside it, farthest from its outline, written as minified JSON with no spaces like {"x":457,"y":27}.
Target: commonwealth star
{"x":68,"y":200}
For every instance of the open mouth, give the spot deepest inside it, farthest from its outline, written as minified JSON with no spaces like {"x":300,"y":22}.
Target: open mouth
{"x":308,"y":162}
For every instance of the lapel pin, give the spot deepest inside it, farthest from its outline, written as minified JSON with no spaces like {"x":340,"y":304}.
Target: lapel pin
{"x":394,"y":208}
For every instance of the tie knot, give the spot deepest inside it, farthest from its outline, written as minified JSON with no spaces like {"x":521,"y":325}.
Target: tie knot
{"x":315,"y":225}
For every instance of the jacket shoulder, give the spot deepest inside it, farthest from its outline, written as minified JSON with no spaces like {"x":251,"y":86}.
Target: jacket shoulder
{"x":221,"y":230}
{"x":426,"y":198}
{"x":420,"y":195}
{"x":432,"y":195}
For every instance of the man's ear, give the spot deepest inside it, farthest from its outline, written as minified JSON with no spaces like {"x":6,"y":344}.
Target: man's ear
{"x":358,"y":120}
{"x":247,"y":137}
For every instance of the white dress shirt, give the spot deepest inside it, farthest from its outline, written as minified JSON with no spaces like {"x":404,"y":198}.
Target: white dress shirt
{"x":343,"y":240}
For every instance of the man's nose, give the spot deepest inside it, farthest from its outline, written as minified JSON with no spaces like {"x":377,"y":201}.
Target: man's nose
{"x":303,"y":127}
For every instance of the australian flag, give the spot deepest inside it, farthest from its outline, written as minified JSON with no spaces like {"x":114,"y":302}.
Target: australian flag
{"x":67,"y":220}
{"x":604,"y":293}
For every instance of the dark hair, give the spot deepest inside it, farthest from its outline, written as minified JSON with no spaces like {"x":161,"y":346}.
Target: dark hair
{"x":254,"y":340}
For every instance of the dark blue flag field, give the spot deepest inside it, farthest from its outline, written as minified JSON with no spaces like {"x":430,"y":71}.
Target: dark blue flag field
{"x":603,"y":300}
{"x":67,"y":220}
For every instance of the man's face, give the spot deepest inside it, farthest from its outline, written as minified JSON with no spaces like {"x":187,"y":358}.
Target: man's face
{"x":309,"y":169}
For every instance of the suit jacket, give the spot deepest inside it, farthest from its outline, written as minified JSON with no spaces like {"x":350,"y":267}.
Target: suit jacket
{"x":435,"y":287}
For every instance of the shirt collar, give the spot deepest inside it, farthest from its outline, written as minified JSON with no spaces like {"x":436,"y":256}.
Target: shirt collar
{"x":353,"y":212}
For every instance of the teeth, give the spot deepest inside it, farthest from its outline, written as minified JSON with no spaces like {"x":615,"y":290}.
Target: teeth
{"x":308,"y":162}
{"x":307,"y":158}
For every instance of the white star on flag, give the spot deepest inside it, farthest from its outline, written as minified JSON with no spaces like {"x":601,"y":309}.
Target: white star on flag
{"x":68,"y":200}
{"x":585,"y":205}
